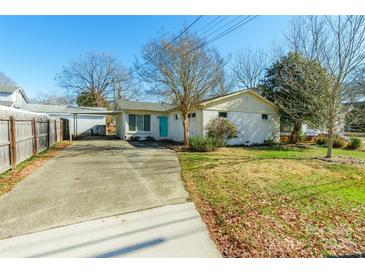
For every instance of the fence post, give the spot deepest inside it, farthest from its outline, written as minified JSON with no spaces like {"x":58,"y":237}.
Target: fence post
{"x":48,"y":135}
{"x":61,"y":130}
{"x":12,"y":142}
{"x":55,"y":131}
{"x":35,"y":139}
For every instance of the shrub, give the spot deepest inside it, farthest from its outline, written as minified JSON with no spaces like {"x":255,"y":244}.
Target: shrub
{"x":302,"y":136}
{"x":320,"y":139}
{"x":270,"y":142}
{"x":355,"y":143}
{"x":202,"y":144}
{"x":150,"y":138}
{"x":221,"y":129}
{"x":284,"y":139}
{"x":338,"y":141}
{"x":134,"y":138}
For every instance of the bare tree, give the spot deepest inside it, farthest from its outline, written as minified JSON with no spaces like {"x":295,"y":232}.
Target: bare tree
{"x":338,"y":42}
{"x":249,"y":68}
{"x":185,"y":71}
{"x":226,"y":84}
{"x":96,"y":76}
{"x":6,"y":80}
{"x":125,"y":86}
{"x":53,"y":98}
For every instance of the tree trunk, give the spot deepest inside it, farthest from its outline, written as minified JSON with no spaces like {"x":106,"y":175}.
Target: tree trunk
{"x":185,"y":122}
{"x":295,"y":134}
{"x":329,"y":144}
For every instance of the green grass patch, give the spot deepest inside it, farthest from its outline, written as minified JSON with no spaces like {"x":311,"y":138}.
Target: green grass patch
{"x":279,"y":202}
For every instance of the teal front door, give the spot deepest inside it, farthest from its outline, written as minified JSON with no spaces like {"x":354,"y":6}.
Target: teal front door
{"x":163,"y":126}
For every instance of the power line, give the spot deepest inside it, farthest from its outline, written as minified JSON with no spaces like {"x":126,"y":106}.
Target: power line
{"x":222,"y":27}
{"x":185,"y":30}
{"x":228,"y":31}
{"x":216,"y":24}
{"x":212,"y":21}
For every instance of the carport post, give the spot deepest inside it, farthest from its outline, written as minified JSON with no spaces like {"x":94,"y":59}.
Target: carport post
{"x":69,"y":130}
{"x":74,"y":124}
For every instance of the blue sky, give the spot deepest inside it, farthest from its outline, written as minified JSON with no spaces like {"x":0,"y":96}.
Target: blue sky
{"x":34,"y":48}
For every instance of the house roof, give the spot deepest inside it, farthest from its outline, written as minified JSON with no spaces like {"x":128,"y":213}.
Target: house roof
{"x":8,"y":89}
{"x":131,"y":105}
{"x":12,"y":89}
{"x":43,"y":108}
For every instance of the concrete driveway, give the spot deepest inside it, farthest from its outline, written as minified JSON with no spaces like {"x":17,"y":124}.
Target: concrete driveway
{"x":89,"y":180}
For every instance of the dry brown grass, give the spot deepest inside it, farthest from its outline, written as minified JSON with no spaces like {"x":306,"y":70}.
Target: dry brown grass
{"x":9,"y":179}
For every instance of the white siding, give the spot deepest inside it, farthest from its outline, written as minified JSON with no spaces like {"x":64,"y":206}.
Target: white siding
{"x":6,"y":96}
{"x":15,"y":97}
{"x":245,"y":111}
{"x":175,"y":128}
{"x":85,"y":123}
{"x":119,"y":126}
{"x":154,"y":126}
{"x":18,"y":98}
{"x":177,"y":131}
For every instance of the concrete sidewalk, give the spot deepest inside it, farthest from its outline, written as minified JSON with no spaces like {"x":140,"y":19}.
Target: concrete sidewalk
{"x":167,"y":231}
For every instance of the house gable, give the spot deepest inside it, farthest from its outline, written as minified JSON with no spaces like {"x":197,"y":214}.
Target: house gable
{"x":245,"y":101}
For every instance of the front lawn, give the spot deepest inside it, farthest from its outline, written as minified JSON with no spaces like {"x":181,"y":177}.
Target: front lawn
{"x":264,"y":202}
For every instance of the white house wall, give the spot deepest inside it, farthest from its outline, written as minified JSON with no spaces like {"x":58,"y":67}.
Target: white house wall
{"x":18,"y":98}
{"x":177,"y":130}
{"x":245,"y":111}
{"x":84,"y":123}
{"x":154,"y":126}
{"x":15,"y":97}
{"x":6,"y":96}
{"x":119,"y":126}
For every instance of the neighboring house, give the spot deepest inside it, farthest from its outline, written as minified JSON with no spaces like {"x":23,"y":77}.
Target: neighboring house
{"x":83,"y":123}
{"x":12,"y":96}
{"x":86,"y":123}
{"x":256,"y":118}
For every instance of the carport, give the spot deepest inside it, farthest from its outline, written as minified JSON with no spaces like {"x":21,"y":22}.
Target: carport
{"x":79,"y":113}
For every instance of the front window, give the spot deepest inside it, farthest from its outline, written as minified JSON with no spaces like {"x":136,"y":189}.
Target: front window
{"x":222,"y":114}
{"x":264,"y":116}
{"x":139,"y":122}
{"x":192,"y":115}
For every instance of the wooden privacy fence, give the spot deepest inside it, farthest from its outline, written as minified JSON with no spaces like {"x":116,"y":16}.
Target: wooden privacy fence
{"x":24,"y":134}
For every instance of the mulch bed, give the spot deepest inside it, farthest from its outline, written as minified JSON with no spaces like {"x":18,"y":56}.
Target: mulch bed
{"x":342,"y":160}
